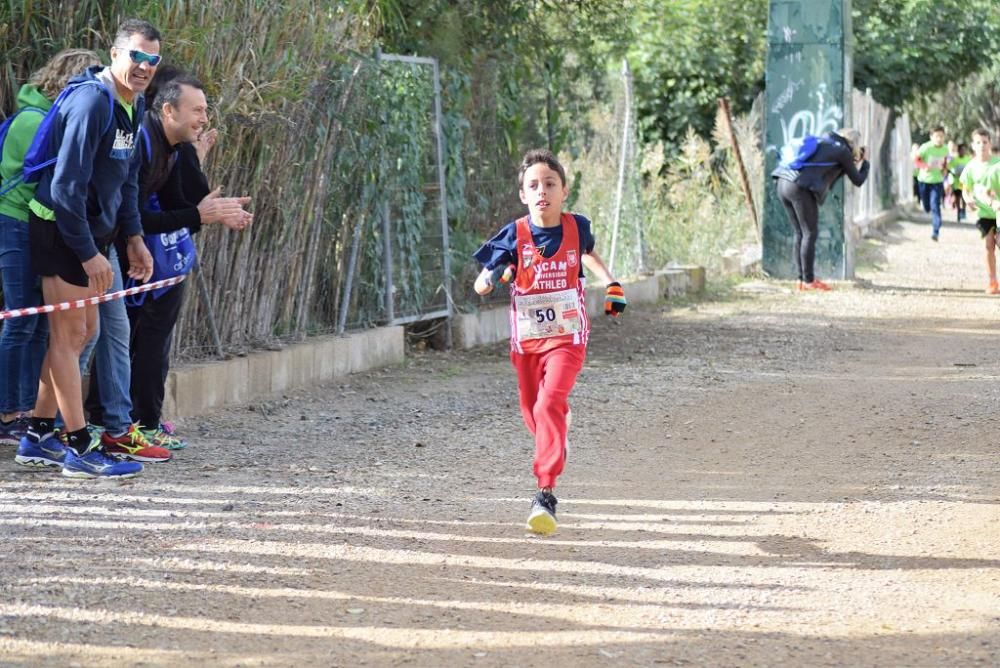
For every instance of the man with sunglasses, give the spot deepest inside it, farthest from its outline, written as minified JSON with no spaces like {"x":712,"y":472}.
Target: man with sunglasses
{"x":81,"y":202}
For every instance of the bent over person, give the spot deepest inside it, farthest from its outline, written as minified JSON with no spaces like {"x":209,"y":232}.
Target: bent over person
{"x":802,"y":188}
{"x":80,"y":202}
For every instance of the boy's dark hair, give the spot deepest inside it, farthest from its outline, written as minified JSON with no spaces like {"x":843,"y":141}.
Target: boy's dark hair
{"x":937,"y":128}
{"x":982,"y":132}
{"x":963,"y":147}
{"x":535,"y":156}
{"x":170,"y":91}
{"x":131,"y":27}
{"x":164,"y":73}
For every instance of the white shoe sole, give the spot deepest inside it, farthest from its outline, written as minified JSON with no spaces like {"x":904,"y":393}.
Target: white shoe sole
{"x":139,"y":458}
{"x":542,"y":523}
{"x":37,"y":462}
{"x":83,"y":475}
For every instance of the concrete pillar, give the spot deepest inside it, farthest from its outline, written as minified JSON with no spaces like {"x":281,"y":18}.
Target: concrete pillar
{"x":809,"y":81}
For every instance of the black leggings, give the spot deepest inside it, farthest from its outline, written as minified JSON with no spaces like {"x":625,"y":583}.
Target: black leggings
{"x":803,"y":213}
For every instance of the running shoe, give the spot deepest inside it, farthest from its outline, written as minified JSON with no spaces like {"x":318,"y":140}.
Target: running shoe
{"x":49,"y":452}
{"x":134,"y":446}
{"x":12,"y":432}
{"x":165,"y":439}
{"x":542,"y":519}
{"x":994,"y":289}
{"x":816,"y":285}
{"x":95,"y":463}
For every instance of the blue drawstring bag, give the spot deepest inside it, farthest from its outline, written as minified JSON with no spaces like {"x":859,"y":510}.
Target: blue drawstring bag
{"x":174,"y":253}
{"x":37,"y":158}
{"x":4,"y":129}
{"x":806,"y":150}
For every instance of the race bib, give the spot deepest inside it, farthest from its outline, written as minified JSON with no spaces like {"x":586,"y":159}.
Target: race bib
{"x":548,"y":314}
{"x":981,"y":192}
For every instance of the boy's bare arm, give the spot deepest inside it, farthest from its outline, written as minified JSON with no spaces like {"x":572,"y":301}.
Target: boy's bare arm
{"x":595,"y":264}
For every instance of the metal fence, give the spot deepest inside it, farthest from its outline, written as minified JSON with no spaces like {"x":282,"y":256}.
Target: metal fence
{"x":887,"y":138}
{"x":351,"y":220}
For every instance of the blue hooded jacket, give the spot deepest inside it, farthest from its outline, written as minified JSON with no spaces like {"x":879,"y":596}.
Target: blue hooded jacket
{"x":93,"y":188}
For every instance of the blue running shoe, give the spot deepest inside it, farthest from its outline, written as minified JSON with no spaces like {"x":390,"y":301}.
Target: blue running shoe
{"x":12,"y":432}
{"x":95,"y":463}
{"x":50,"y":452}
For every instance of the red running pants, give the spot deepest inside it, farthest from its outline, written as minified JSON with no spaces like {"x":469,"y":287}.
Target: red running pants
{"x":544,"y":382}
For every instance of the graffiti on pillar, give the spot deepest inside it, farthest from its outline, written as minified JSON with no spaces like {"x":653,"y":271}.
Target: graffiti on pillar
{"x":818,"y":118}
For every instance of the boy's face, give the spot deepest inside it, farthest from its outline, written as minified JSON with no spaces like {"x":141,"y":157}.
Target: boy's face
{"x":981,"y":147}
{"x":543,"y":191}
{"x":937,"y":138}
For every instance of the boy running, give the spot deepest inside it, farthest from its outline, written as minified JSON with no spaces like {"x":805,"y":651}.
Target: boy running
{"x":975,"y":189}
{"x":542,"y":255}
{"x":956,"y":164}
{"x":932,"y":162}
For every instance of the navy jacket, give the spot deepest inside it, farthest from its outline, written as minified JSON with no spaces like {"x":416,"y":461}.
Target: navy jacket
{"x":819,"y":180}
{"x":93,"y":188}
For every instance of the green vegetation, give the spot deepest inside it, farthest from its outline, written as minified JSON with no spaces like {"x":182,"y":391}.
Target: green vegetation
{"x":327,"y":139}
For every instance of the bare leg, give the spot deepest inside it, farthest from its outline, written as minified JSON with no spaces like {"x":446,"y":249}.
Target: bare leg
{"x":991,"y":258}
{"x":59,"y":384}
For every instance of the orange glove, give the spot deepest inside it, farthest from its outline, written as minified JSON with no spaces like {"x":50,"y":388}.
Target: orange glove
{"x":614,"y":299}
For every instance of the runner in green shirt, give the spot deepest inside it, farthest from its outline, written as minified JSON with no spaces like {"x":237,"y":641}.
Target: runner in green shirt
{"x":956,"y":164}
{"x":976,"y":189}
{"x":932,"y":162}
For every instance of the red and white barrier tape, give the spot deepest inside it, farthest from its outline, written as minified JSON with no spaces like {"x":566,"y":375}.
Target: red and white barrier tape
{"x":80,"y":303}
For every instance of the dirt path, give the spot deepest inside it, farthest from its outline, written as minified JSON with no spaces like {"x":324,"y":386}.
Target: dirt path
{"x":764,"y":479}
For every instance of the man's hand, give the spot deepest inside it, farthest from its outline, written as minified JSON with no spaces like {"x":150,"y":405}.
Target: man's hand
{"x":614,"y":300}
{"x":99,"y":274}
{"x":140,"y":262}
{"x":206,"y":140}
{"x":225,"y":210}
{"x":239,"y":223}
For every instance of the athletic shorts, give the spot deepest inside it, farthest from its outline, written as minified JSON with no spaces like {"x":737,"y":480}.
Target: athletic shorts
{"x":985,"y":225}
{"x":50,"y":256}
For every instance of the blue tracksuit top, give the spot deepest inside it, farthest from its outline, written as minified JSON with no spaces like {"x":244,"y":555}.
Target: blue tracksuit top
{"x":93,"y":187}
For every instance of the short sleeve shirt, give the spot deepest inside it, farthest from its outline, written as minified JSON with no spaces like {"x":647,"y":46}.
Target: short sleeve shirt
{"x":937,"y":158}
{"x":976,"y":180}
{"x":502,"y":248}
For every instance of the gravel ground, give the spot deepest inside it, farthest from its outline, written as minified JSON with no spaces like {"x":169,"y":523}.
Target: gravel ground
{"x":760,"y":478}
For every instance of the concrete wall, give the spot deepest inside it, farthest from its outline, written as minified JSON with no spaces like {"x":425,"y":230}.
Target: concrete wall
{"x":490,"y":325}
{"x":200,"y":388}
